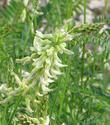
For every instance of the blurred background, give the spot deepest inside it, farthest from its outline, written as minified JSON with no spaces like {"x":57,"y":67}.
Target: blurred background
{"x":95,"y":8}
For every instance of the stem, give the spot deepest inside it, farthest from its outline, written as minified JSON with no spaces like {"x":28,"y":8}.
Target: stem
{"x":83,"y":45}
{"x":106,"y":7}
{"x":14,"y":111}
{"x":85,"y":7}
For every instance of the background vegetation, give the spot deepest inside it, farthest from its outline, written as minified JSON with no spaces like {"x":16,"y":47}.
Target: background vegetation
{"x":81,"y":96}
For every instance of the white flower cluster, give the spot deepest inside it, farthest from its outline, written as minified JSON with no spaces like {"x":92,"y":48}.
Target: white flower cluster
{"x":48,"y":46}
{"x":45,"y":61}
{"x":28,"y":7}
{"x":33,"y":121}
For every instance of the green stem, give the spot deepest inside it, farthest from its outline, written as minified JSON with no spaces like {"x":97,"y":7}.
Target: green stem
{"x":83,"y":44}
{"x":85,"y":7}
{"x":14,"y":111}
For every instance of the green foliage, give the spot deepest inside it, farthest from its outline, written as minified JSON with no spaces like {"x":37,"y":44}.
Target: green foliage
{"x":81,"y":94}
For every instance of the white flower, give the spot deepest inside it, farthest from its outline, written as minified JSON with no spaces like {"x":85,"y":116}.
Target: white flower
{"x":47,"y":120}
{"x":23,"y":15}
{"x":25,"y":2}
{"x":25,"y":74}
{"x":104,"y":29}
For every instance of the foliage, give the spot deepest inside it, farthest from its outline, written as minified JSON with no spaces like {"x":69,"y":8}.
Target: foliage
{"x":63,"y":75}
